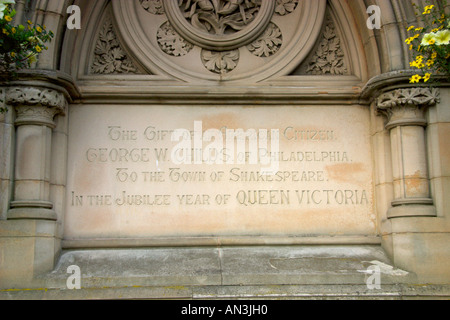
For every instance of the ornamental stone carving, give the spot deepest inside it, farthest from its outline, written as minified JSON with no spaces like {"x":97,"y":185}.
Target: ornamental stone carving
{"x":153,"y":6}
{"x":220,"y":25}
{"x":36,"y":105}
{"x":33,"y":96}
{"x":220,"y":17}
{"x":409,"y":96}
{"x":329,"y":57}
{"x":215,"y":26}
{"x":231,"y":39}
{"x":406,"y":106}
{"x":269,"y":43}
{"x":109,"y":57}
{"x":171,"y":42}
{"x":285,"y":7}
{"x":220,"y":62}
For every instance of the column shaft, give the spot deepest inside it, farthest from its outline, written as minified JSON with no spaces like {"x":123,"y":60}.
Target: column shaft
{"x":35,"y":110}
{"x":405,"y":111}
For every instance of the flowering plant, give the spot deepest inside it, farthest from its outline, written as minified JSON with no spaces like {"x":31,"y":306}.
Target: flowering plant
{"x":19,"y":45}
{"x":431,"y":44}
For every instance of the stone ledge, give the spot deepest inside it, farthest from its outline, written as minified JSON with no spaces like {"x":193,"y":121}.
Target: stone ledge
{"x":284,"y":272}
{"x":274,"y":292}
{"x":219,"y":241}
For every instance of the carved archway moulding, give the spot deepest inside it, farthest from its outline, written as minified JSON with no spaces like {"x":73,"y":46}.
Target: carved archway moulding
{"x":219,"y":40}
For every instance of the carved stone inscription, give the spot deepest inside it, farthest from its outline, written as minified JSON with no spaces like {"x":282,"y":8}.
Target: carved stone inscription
{"x":128,"y":176}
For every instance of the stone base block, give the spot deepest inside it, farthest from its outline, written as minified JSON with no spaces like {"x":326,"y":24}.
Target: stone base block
{"x":412,"y":211}
{"x":425,"y":254}
{"x":28,"y":248}
{"x":32,"y":213}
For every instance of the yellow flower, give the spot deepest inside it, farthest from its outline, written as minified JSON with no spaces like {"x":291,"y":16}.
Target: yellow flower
{"x":29,"y":22}
{"x":13,"y":30}
{"x":411,"y":47}
{"x":8,"y":18}
{"x":415,"y":79}
{"x":39,"y":29}
{"x":409,"y":40}
{"x":418,"y":63}
{"x":410,"y":28}
{"x":38,"y":49}
{"x":427,"y":77}
{"x":427,"y":9}
{"x":418,"y":29}
{"x":430,"y":63}
{"x":13,"y":54}
{"x":434,"y":55}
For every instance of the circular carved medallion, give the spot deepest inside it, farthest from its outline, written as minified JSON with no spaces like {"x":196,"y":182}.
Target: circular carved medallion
{"x":220,"y":40}
{"x":220,"y":25}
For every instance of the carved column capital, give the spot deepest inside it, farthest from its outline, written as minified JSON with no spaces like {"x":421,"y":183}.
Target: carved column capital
{"x":36,"y":105}
{"x":405,"y":107}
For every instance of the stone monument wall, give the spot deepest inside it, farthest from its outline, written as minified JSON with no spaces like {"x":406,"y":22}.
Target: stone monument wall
{"x":186,"y":123}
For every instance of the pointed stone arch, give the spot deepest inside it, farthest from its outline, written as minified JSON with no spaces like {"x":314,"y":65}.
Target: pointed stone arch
{"x":365,"y":50}
{"x":97,"y":49}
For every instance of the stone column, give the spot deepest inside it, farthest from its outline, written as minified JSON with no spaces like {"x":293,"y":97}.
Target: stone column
{"x":35,"y":109}
{"x":405,"y":112}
